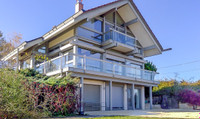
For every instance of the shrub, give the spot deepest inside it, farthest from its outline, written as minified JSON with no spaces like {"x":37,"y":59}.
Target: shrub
{"x":28,"y":94}
{"x":57,"y":94}
{"x":15,"y":101}
{"x":189,"y":96}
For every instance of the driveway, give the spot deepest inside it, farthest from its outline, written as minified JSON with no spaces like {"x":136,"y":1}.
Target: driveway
{"x":172,"y":113}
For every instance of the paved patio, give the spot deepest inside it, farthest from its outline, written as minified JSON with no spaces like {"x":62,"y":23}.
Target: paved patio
{"x":172,"y":113}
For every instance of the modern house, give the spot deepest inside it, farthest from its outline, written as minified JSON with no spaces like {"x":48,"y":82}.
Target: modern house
{"x":105,"y":47}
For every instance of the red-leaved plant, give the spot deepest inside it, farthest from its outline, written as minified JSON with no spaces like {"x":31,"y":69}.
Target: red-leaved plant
{"x":58,"y":100}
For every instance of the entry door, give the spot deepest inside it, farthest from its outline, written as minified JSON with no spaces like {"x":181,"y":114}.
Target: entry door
{"x":117,"y":99}
{"x":91,"y":97}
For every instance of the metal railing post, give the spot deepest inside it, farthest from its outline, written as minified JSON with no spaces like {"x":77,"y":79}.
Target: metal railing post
{"x":45,"y":67}
{"x":113,"y":68}
{"x":84,"y":63}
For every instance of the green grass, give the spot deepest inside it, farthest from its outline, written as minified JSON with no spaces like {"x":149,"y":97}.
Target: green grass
{"x":128,"y":117}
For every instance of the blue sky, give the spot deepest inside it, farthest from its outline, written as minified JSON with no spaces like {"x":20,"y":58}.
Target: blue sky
{"x":175,"y":23}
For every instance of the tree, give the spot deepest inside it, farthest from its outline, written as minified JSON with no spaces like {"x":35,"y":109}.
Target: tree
{"x":8,"y":45}
{"x":150,"y":66}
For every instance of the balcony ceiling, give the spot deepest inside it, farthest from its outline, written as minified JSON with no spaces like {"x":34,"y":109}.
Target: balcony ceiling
{"x":139,"y":30}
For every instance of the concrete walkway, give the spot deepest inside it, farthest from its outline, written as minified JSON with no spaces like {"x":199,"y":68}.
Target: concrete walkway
{"x":172,"y":113}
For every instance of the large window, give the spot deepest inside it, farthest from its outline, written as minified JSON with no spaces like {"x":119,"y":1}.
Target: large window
{"x":89,"y":53}
{"x":89,"y":34}
{"x":26,"y":64}
{"x":118,"y":67}
{"x":89,"y":63}
{"x":94,"y":24}
{"x":91,"y":30}
{"x":135,"y":71}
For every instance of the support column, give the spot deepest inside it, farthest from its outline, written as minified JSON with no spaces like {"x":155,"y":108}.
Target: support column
{"x":104,"y":26}
{"x":125,"y":97}
{"x":81,"y":96}
{"x":150,"y":97}
{"x":32,"y":62}
{"x":133,"y":96}
{"x":103,"y":96}
{"x":75,"y":52}
{"x":143,"y":97}
{"x":110,"y":94}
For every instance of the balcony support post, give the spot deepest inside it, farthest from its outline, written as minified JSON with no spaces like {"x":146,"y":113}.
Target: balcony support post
{"x":61,"y":62}
{"x":125,"y":97}
{"x":75,"y":53}
{"x":81,"y":96}
{"x":104,"y":27}
{"x":143,"y":97}
{"x":45,"y":67}
{"x":133,"y":96}
{"x":110,"y":95}
{"x":150,"y":97}
{"x":32,"y":62}
{"x":84,"y":63}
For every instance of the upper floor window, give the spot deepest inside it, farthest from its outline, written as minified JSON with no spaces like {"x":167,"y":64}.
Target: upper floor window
{"x":94,"y":24}
{"x":89,"y":53}
{"x":89,"y":34}
{"x":119,"y":20}
{"x":26,"y":64}
{"x":42,"y":50}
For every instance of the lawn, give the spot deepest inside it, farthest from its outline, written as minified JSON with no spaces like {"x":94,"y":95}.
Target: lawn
{"x":128,"y":117}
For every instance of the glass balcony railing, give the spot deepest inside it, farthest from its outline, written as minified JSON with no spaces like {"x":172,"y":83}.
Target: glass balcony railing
{"x":92,"y":64}
{"x":120,"y":37}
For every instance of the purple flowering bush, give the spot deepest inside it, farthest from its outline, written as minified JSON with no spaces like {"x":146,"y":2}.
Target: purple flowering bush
{"x":189,"y":96}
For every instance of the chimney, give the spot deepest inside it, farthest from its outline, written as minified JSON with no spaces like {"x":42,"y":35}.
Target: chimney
{"x":79,"y":6}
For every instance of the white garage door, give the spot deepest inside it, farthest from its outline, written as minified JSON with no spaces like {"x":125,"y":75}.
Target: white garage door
{"x":91,"y":97}
{"x":117,"y":97}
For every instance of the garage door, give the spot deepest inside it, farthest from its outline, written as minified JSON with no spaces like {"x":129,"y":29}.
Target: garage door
{"x":91,"y":97}
{"x":117,"y":97}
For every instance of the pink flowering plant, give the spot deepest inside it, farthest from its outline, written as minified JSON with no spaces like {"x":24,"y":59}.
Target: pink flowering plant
{"x":190,"y":96}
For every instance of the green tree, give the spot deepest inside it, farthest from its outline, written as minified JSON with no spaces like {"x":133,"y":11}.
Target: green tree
{"x":150,"y":66}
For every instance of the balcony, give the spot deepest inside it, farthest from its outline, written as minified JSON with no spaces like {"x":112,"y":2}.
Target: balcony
{"x":119,"y":41}
{"x":87,"y":64}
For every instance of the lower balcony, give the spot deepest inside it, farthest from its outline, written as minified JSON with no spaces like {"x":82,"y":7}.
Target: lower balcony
{"x":99,"y":67}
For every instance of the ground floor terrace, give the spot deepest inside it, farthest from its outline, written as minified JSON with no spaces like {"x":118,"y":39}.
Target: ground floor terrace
{"x":146,"y":114}
{"x":104,"y":95}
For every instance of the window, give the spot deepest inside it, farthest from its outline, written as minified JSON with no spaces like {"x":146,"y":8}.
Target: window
{"x":26,"y":64}
{"x":94,"y":24}
{"x":110,"y":17}
{"x":91,"y":64}
{"x":89,"y":34}
{"x":108,"y":27}
{"x":119,"y":20}
{"x":42,"y":50}
{"x":119,"y":68}
{"x":135,"y":71}
{"x":89,"y":53}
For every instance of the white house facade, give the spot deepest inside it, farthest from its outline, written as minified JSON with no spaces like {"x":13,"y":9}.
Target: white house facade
{"x":105,"y":47}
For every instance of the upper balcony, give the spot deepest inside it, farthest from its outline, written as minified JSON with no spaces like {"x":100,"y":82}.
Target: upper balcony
{"x":121,"y":42}
{"x":90,"y":65}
